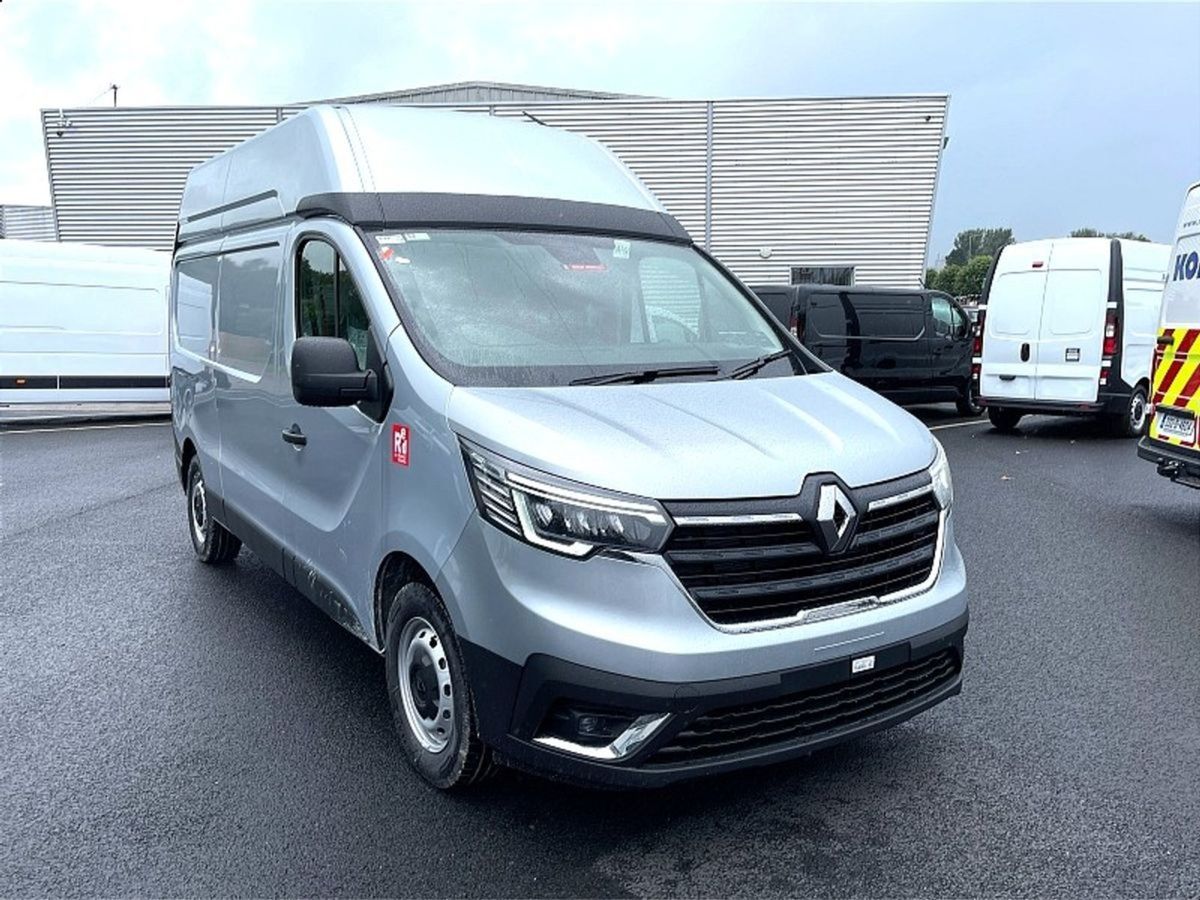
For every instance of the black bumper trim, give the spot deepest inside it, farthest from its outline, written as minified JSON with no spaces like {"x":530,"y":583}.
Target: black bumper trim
{"x":1173,"y":462}
{"x":512,"y":701}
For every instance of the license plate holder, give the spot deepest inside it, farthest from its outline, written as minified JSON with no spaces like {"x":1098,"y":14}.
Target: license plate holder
{"x":1177,"y":424}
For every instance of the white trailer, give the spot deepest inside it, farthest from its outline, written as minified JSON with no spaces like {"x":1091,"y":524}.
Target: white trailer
{"x":82,"y":324}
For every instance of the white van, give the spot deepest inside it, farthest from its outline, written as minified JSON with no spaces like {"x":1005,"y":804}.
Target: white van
{"x":1067,"y":327}
{"x":1173,"y":441}
{"x":82,"y":324}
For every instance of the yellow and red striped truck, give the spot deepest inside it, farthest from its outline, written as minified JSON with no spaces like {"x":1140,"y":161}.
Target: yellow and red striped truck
{"x":1173,"y":441}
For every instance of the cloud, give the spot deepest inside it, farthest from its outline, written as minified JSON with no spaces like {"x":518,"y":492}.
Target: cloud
{"x":1058,"y":112}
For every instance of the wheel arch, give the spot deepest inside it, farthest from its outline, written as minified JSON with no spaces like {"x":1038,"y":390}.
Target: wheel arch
{"x":397,"y":569}
{"x":186,"y":454}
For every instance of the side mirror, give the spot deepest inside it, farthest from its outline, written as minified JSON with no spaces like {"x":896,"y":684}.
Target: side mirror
{"x":325,"y":372}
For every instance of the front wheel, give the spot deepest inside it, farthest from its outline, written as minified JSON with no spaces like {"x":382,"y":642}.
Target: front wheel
{"x":432,"y":703}
{"x":1003,"y":419}
{"x":1133,"y":421}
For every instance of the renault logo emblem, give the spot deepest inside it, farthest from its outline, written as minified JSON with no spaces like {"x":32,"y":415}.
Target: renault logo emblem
{"x":836,"y":516}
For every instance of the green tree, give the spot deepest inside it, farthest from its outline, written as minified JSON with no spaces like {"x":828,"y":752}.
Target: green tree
{"x":931,"y":277}
{"x":978,"y":242}
{"x":971,"y":276}
{"x":1122,"y":235}
{"x":947,"y":279}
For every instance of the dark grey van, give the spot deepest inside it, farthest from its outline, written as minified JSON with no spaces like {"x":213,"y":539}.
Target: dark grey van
{"x":912,"y":346}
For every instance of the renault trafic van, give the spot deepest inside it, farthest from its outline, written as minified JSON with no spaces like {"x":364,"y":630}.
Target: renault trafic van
{"x":1067,"y":327}
{"x":466,"y":385}
{"x":912,"y":346}
{"x":1173,"y":443}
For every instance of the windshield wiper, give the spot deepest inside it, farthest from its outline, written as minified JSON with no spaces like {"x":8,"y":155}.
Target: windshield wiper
{"x":748,"y":369}
{"x":641,"y":376}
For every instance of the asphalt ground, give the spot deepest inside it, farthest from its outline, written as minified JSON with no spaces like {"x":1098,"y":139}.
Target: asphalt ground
{"x":172,"y":729}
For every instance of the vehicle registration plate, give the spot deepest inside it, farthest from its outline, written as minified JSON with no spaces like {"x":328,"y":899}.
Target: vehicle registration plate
{"x":1177,"y":425}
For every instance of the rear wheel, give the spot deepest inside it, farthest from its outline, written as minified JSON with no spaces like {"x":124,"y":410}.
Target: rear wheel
{"x":432,"y":703}
{"x":1132,"y":422}
{"x":1003,"y":419}
{"x":213,"y":543}
{"x":968,"y":402}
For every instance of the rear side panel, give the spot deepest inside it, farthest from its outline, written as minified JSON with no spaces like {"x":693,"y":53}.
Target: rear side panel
{"x":1143,"y":271}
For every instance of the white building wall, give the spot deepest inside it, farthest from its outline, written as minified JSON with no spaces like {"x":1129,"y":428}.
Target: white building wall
{"x":766,"y":184}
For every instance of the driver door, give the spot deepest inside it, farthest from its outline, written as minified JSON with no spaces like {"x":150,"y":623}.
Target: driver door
{"x":336,"y":453}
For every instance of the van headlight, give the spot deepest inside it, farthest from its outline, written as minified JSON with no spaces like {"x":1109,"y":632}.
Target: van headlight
{"x":939,"y":474}
{"x":558,"y":515}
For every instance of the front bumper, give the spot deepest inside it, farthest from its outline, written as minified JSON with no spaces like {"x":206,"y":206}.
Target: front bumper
{"x":623,"y":635}
{"x":1177,"y":463}
{"x":712,"y":726}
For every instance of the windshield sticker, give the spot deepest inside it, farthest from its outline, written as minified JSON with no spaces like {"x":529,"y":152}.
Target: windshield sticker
{"x":387,"y":254}
{"x":620,"y":249}
{"x":416,"y":236}
{"x":390,"y":238}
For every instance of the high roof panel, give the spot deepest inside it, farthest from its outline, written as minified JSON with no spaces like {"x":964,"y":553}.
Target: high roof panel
{"x":385,"y":149}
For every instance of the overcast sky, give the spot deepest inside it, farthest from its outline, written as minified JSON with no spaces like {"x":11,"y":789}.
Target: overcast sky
{"x":1060,"y":116}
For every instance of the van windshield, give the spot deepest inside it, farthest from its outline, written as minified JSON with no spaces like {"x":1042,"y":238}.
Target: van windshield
{"x":533,"y":309}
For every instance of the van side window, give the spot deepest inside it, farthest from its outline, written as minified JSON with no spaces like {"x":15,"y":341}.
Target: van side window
{"x":886,"y":315}
{"x":328,"y":302}
{"x":829,"y":316}
{"x":246,"y":308}
{"x":195,"y":303}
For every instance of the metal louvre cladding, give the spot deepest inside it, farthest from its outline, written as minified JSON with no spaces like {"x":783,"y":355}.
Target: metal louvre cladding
{"x":765,"y":185}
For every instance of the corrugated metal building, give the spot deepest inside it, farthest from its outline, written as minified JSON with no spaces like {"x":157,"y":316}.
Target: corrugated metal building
{"x":803,"y":189}
{"x":27,"y":223}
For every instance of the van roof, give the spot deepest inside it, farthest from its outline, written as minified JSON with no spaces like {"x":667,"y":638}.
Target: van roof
{"x":52,"y":251}
{"x":344,"y":159}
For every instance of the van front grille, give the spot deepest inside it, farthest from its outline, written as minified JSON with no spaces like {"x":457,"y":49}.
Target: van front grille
{"x":810,"y":714}
{"x":744,"y":571}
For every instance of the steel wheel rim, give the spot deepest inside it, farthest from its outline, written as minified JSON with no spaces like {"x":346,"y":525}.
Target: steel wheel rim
{"x":1137,"y":412}
{"x":425,"y":685}
{"x":198,"y":509}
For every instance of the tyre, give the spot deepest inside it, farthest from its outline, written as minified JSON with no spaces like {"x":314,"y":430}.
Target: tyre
{"x":968,"y":403}
{"x":1003,"y":419}
{"x":1133,"y":421}
{"x":213,"y":543}
{"x":432,"y":703}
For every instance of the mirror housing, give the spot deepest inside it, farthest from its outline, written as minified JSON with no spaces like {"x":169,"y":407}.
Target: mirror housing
{"x":325,"y":372}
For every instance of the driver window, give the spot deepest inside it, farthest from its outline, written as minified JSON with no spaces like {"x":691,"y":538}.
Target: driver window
{"x":944,"y":320}
{"x":328,"y":302}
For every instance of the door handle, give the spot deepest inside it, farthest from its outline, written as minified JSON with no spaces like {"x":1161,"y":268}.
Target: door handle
{"x":295,"y":436}
{"x":1166,"y":340}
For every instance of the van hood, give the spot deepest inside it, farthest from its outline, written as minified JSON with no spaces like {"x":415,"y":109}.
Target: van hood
{"x":759,"y":437}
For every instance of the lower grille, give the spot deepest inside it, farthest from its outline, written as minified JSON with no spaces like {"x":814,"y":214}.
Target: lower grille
{"x":810,"y":714}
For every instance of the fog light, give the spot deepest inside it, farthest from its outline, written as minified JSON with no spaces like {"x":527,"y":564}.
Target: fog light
{"x":595,"y":732}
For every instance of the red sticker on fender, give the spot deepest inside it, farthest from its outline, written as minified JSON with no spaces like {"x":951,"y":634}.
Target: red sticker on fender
{"x":400,"y":445}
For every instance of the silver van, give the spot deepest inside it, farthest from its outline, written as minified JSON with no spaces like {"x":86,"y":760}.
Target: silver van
{"x":467,"y":386}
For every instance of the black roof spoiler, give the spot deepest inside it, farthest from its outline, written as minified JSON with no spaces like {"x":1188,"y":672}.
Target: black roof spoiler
{"x":397,"y":210}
